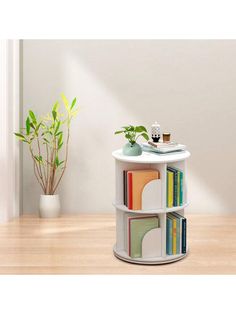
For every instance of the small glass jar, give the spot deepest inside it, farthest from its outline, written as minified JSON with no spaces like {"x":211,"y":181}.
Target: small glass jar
{"x":166,"y":137}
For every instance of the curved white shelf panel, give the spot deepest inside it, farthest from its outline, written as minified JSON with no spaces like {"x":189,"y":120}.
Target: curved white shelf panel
{"x":150,"y":261}
{"x":152,"y":211}
{"x":151,"y":158}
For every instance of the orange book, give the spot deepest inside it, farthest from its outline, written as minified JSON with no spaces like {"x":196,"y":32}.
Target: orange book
{"x":139,"y":179}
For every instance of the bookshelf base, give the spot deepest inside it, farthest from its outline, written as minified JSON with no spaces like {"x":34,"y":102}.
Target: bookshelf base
{"x":122,"y":255}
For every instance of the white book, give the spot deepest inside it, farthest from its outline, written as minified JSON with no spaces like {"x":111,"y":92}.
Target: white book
{"x":163,"y":147}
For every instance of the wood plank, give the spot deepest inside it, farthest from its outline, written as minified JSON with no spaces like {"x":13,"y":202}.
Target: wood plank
{"x":83,"y":244}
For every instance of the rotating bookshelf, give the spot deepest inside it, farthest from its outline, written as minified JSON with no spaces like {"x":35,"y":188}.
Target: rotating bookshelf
{"x":159,"y":163}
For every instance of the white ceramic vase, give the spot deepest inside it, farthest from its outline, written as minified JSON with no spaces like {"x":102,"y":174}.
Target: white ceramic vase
{"x":49,"y":206}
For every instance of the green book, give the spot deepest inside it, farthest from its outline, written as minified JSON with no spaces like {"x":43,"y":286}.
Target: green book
{"x":181,"y":188}
{"x":138,"y":227}
{"x":178,"y":189}
{"x":175,"y":184}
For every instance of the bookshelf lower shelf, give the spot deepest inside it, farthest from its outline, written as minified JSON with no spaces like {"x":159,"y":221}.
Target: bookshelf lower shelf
{"x":148,"y":261}
{"x":152,"y":211}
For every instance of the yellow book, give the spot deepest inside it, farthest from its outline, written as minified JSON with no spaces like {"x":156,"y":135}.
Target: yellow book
{"x":170,"y":188}
{"x":174,"y":243}
{"x":174,"y":233}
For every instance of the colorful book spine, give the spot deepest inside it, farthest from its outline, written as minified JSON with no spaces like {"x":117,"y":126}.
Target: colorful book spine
{"x":130,"y":192}
{"x":181,"y":188}
{"x":178,"y":234}
{"x":184,"y":235}
{"x":175,"y":185}
{"x":174,"y":245}
{"x":125,"y":187}
{"x":178,"y":189}
{"x":177,"y":237}
{"x":170,"y":188}
{"x":169,"y":229}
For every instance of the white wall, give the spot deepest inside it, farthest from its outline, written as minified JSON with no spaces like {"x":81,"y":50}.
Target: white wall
{"x":189,"y":87}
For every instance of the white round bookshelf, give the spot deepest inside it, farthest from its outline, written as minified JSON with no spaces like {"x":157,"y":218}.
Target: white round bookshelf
{"x":147,"y":161}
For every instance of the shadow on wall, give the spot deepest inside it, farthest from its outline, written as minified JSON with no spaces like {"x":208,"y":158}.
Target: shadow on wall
{"x":188,"y":87}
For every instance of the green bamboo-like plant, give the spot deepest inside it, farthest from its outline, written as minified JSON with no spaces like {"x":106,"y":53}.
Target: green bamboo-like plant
{"x":45,"y":138}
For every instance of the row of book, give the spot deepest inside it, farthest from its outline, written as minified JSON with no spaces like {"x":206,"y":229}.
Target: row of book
{"x":176,"y":234}
{"x":174,"y":187}
{"x":143,"y":237}
{"x":141,"y":189}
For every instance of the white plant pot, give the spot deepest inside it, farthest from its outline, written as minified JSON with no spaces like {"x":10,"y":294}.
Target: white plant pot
{"x":49,"y":206}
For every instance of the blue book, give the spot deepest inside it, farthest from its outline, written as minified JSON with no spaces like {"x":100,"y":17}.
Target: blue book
{"x":169,"y":238}
{"x":184,"y":235}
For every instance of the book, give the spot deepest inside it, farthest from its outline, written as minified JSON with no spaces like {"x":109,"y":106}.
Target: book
{"x":137,"y":228}
{"x":178,"y":232}
{"x":178,"y":189}
{"x":162,"y":148}
{"x":182,"y":232}
{"x":181,"y":175}
{"x":170,"y":188}
{"x":169,"y":228}
{"x":137,"y":181}
{"x":184,"y":235}
{"x":175,"y":185}
{"x":130,"y":189}
{"x":174,"y":233}
{"x":125,"y":187}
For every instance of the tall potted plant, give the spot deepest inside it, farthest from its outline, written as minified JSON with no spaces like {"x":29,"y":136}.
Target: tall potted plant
{"x":47,"y":142}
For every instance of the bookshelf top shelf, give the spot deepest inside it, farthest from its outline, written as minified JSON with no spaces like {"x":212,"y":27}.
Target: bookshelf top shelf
{"x":151,"y":158}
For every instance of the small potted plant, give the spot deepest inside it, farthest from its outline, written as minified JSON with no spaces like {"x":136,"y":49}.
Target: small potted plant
{"x":45,"y":138}
{"x":132,"y":133}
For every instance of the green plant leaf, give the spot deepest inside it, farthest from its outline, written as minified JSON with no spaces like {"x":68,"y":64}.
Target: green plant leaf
{"x":73,"y":103}
{"x":20,"y":136}
{"x":61,"y":162}
{"x":131,"y":128}
{"x":118,"y":132}
{"x":144,"y":135}
{"x":37,"y":128}
{"x":60,"y":145}
{"x":56,"y":161}
{"x":140,"y":128}
{"x":65,"y":101}
{"x":32,"y":126}
{"x":128,"y":136}
{"x":46,"y":140}
{"x":55,"y":107}
{"x":125,"y":127}
{"x":75,"y":112}
{"x":38,"y":158}
{"x":54,"y":114}
{"x":58,"y":133}
{"x":60,"y":139}
{"x":57,"y":127}
{"x":27,"y":124}
{"x":33,"y":117}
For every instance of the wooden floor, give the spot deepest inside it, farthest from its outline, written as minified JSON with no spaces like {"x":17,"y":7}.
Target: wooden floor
{"x":83,"y":245}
